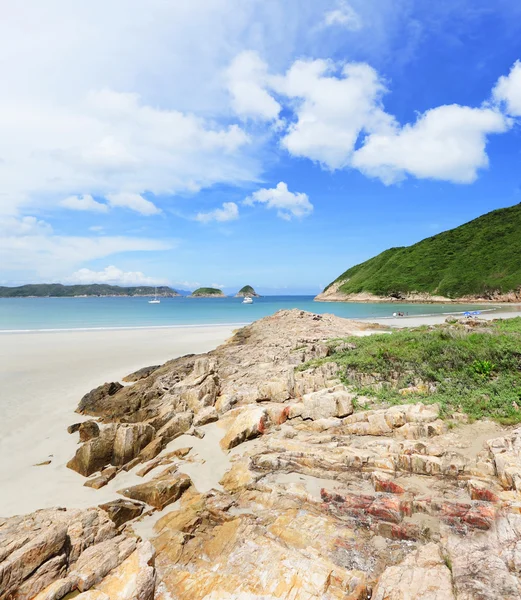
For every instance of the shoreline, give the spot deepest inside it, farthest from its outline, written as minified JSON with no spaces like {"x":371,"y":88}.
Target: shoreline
{"x":44,"y":376}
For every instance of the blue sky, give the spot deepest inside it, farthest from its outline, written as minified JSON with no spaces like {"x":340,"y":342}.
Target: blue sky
{"x":222,"y":142}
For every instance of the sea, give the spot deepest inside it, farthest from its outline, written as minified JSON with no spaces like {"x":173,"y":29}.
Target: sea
{"x":58,"y":314}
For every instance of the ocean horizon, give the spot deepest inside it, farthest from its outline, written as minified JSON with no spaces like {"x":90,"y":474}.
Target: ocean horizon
{"x":94,"y":313}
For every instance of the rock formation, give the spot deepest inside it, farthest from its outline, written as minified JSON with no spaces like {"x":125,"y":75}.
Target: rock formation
{"x":326,"y":494}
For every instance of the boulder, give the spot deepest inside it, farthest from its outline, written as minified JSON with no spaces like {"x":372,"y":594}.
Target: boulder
{"x":97,"y":401}
{"x":116,"y":444}
{"x":324,"y":404}
{"x":121,"y":510}
{"x":134,"y":578}
{"x":140,"y":374}
{"x":206,"y":415}
{"x":161,"y":491}
{"x":98,"y":560}
{"x":247,"y":424}
{"x":423,"y":574}
{"x":176,"y":426}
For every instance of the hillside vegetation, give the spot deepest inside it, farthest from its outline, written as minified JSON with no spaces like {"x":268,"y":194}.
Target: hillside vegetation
{"x":480,"y":258}
{"x":58,"y":290}
{"x":207,"y":291}
{"x":247,"y":290}
{"x":473,"y":370}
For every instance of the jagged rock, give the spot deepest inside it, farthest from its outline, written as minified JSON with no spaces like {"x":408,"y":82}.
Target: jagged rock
{"x":422,"y":575}
{"x":160,"y":491}
{"x":163,"y":460}
{"x":95,"y":562}
{"x":101,"y":480}
{"x":120,"y":511}
{"x":205,"y":416}
{"x":116,"y":445}
{"x":129,"y":441}
{"x":97,"y":401}
{"x":244,"y":425}
{"x":331,"y":402}
{"x":142,"y":373}
{"x":177,"y":425}
{"x":37,"y":549}
{"x":478,"y":569}
{"x":134,"y":578}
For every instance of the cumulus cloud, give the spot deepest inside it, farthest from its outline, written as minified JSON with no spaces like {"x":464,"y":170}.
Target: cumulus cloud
{"x":113,"y":276}
{"x":344,"y":16}
{"x":508,"y":91}
{"x":287,"y":204}
{"x":85,"y":202}
{"x":247,"y":78}
{"x":229,"y":212}
{"x":333,"y":108}
{"x":446,"y":143}
{"x":134,"y":202}
{"x":339,"y":121}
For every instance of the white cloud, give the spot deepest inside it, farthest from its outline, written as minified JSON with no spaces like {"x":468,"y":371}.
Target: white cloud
{"x":287,"y":204}
{"x":343,"y":16}
{"x":247,"y":78}
{"x":31,"y":251}
{"x":332,"y":110}
{"x":23,"y":227}
{"x":113,"y":276}
{"x":229,"y":212}
{"x":85,"y":202}
{"x":446,"y":143}
{"x":508,"y":90}
{"x":337,"y":107}
{"x":134,"y":202}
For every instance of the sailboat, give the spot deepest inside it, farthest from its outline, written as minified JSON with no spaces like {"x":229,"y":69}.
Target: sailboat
{"x":155,"y":300}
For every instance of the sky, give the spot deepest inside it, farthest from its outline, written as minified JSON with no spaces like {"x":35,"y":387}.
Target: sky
{"x":274,"y":143}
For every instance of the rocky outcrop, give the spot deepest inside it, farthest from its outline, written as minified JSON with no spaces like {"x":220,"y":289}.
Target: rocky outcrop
{"x":54,"y":552}
{"x":160,"y":491}
{"x":142,"y":373}
{"x":348,"y":497}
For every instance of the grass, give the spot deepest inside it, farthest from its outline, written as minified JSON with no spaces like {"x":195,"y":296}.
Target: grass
{"x":475,"y":259}
{"x":477,"y":371}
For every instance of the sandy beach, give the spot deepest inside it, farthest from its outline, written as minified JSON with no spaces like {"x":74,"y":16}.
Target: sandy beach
{"x":43,"y":376}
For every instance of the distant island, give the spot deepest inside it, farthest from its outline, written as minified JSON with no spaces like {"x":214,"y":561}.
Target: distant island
{"x":57,"y":290}
{"x":207,"y":292}
{"x":247,"y":290}
{"x":478,"y":261}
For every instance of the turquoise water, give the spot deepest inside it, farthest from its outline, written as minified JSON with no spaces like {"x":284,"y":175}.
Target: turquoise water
{"x":29,"y":314}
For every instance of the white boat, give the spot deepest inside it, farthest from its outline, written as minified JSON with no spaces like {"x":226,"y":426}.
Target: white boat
{"x":247,"y":300}
{"x":156,"y":300}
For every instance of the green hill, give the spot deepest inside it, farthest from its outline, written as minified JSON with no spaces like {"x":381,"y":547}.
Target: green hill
{"x":207,"y":292}
{"x":480,"y":259}
{"x":57,"y":290}
{"x":247,"y":290}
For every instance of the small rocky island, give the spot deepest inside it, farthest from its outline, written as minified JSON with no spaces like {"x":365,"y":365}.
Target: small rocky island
{"x":207,"y":292}
{"x":247,"y":290}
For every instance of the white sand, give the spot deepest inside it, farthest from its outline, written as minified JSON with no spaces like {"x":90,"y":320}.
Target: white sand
{"x":414,"y":321}
{"x":42,"y":378}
